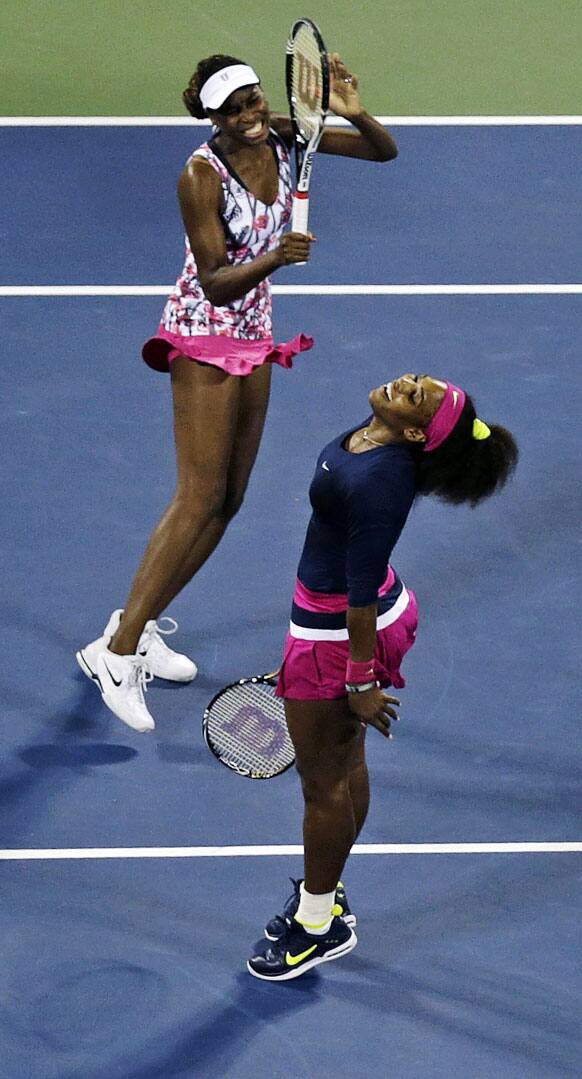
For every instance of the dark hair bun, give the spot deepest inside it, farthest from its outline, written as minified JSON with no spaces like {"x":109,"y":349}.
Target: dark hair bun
{"x":466,"y":469}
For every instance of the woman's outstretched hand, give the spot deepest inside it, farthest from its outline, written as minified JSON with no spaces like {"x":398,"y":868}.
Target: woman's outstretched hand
{"x":375,"y":708}
{"x":344,"y":99}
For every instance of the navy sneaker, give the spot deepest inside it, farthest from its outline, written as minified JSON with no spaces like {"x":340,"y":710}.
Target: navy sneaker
{"x":276,"y":927}
{"x":298,"y":951}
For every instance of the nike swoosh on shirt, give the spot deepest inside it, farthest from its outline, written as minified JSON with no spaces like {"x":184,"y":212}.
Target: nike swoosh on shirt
{"x":325,"y":465}
{"x":455,"y":398}
{"x":293,"y":960}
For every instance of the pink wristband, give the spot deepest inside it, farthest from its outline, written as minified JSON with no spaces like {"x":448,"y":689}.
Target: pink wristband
{"x":357,"y":673}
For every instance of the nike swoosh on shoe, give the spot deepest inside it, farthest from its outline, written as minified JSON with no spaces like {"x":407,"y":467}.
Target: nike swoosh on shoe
{"x":114,"y":680}
{"x":293,"y":960}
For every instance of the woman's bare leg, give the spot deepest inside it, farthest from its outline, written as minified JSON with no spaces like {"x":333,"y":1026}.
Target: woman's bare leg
{"x":328,"y":742}
{"x":209,"y":409}
{"x":253,"y":403}
{"x":359,"y":783}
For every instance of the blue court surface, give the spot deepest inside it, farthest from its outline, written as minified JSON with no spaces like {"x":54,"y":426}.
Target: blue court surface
{"x":134,"y":967}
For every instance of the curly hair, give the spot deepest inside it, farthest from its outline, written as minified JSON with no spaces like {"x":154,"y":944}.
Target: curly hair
{"x":206,"y":68}
{"x":464,"y":469}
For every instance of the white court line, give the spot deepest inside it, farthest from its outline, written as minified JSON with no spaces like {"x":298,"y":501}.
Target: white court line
{"x":49,"y":854}
{"x":185,"y":121}
{"x":306,"y":290}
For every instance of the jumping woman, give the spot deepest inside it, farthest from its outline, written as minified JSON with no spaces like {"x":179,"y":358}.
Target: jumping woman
{"x":215,"y":338}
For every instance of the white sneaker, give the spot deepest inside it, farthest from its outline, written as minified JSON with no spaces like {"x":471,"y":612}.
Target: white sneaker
{"x":123,"y":680}
{"x":161,"y":660}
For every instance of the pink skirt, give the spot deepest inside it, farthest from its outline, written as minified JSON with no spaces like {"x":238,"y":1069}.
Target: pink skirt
{"x":235,"y":355}
{"x":316,"y":670}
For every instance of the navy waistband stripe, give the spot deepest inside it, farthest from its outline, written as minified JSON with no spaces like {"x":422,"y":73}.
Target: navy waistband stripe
{"x":320,"y":620}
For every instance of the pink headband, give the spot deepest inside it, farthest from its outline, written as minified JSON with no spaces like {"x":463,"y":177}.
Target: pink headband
{"x":445,"y":418}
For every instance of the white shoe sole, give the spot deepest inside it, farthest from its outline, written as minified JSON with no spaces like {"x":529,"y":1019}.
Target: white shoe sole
{"x":336,"y":953}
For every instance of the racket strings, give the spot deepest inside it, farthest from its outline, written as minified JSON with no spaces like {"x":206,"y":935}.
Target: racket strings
{"x":306,"y":81}
{"x":246,"y":728}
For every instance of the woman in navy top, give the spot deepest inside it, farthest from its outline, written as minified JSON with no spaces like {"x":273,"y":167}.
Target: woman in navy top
{"x":352,"y":622}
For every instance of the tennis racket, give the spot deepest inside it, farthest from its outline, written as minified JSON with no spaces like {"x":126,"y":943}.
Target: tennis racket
{"x":244,"y":726}
{"x":307,"y":78}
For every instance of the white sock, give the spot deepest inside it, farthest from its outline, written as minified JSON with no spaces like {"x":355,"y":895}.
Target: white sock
{"x":315,"y":911}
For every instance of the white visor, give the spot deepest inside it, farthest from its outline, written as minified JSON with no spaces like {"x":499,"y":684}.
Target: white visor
{"x":218,"y":87}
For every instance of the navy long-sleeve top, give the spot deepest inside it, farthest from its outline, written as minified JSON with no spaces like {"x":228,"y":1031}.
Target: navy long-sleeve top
{"x":360,"y":504}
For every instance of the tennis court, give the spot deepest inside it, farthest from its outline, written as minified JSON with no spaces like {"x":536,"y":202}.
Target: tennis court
{"x":136,"y":872}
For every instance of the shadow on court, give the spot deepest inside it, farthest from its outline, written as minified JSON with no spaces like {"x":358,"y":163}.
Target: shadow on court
{"x":214,"y":1040}
{"x":75,"y":757}
{"x":47,"y":762}
{"x":174,"y":753}
{"x":502,"y":1012}
{"x":501,"y":1005}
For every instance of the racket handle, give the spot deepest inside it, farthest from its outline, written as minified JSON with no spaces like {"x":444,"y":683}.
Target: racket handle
{"x":300,"y":214}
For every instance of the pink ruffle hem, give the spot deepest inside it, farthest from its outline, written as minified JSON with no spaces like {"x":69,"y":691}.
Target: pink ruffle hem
{"x":235,"y":355}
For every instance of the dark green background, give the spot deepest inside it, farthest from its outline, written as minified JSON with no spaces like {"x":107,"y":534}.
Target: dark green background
{"x":414,"y":57}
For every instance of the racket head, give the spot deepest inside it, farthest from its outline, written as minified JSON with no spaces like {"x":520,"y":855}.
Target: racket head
{"x":244,"y":727}
{"x":307,"y":81}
